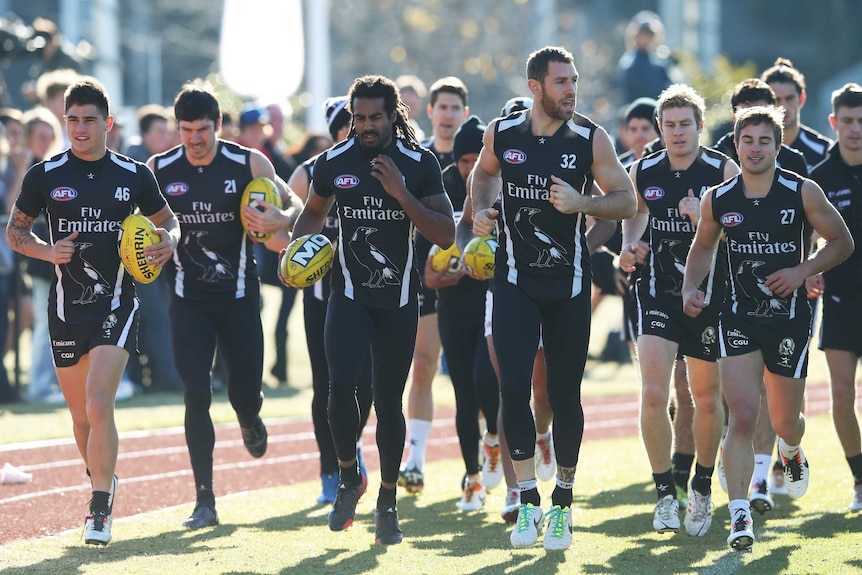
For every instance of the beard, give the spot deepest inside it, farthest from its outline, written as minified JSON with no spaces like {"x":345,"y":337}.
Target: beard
{"x":554,"y":110}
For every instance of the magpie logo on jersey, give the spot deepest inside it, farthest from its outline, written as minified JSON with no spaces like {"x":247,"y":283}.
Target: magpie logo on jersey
{"x":653,"y":193}
{"x":513,"y":156}
{"x":108,"y":324}
{"x":346,"y":181}
{"x":64,"y":194}
{"x":381,"y":270}
{"x":785,"y":350}
{"x":176,"y":188}
{"x":736,"y":339}
{"x":731,"y":219}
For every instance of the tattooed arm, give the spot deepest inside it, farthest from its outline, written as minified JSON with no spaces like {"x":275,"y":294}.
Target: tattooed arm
{"x":20,"y":236}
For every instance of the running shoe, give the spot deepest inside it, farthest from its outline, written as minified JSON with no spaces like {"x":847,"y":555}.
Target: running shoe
{"x":255,"y":437}
{"x":741,"y":534}
{"x":759,"y":499}
{"x":526,"y":530}
{"x":511,"y":506}
{"x":492,"y":467}
{"x":666,"y":516}
{"x":473,"y":497}
{"x":796,"y":474}
{"x":202,"y":516}
{"x":328,"y":488}
{"x":344,"y":508}
{"x":698,"y":515}
{"x":97,"y":528}
{"x":856,"y":504}
{"x":558,"y":529}
{"x":411,"y":479}
{"x":387,"y":531}
{"x":777,"y":485}
{"x":546,"y":461}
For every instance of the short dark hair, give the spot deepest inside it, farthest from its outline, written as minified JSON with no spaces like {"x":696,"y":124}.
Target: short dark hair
{"x":150,"y":114}
{"x":448,"y":85}
{"x":848,"y":96}
{"x":751,"y":90}
{"x":756,"y":115}
{"x":783,"y":72}
{"x":537,"y":63}
{"x":87,"y":91}
{"x":196,"y":101}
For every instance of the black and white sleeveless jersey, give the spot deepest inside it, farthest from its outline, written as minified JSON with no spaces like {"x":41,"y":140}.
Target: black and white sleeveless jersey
{"x":842,"y":185}
{"x":763,"y":235}
{"x":542,"y":250}
{"x":812,"y":144}
{"x":376,"y":263}
{"x":214,"y":257}
{"x":91,"y":198}
{"x":670,"y":232}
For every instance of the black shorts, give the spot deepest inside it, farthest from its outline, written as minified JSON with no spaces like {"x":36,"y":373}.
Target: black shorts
{"x":697,"y":336}
{"x":784,"y":345}
{"x":602,"y":263}
{"x":70,"y":342}
{"x":838,"y":314}
{"x":427,"y":301}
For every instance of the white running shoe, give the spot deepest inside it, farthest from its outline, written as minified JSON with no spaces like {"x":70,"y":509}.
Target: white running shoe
{"x":698,"y":516}
{"x":777,"y":485}
{"x":856,"y":504}
{"x":719,"y":468}
{"x":546,"y":461}
{"x":796,"y":474}
{"x":97,"y":528}
{"x":473,"y":497}
{"x":558,"y":529}
{"x":526,"y":530}
{"x":492,"y":467}
{"x":759,"y":499}
{"x":666,"y":516}
{"x":511,"y":506}
{"x":741,"y":533}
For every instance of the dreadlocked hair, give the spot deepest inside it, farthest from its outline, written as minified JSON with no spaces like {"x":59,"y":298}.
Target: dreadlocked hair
{"x":376,"y":86}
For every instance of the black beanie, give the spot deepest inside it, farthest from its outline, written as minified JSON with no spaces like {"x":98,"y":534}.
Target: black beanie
{"x":642,"y":108}
{"x":468,"y":138}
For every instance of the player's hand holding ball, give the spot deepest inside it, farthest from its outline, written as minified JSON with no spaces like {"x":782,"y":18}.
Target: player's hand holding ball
{"x":305,"y":260}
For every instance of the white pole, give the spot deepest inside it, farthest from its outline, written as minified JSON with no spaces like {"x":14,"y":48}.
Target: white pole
{"x":319,"y":78}
{"x":109,"y":65}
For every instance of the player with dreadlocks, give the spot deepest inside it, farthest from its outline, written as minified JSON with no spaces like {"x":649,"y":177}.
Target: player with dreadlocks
{"x":385,"y":184}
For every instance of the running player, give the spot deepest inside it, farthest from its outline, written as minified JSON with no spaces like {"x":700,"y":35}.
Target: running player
{"x":840,"y":176}
{"x":314,"y":302}
{"x":547,"y":158}
{"x":766,"y":319}
{"x":669,"y":183}
{"x":216,"y":293}
{"x":86,"y":192}
{"x":447,"y":110}
{"x":385,"y":184}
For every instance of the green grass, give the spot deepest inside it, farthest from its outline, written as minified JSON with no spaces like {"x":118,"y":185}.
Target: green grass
{"x":274,"y":531}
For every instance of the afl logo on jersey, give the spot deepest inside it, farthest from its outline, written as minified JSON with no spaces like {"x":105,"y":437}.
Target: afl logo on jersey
{"x":653,"y":193}
{"x":346,"y":181}
{"x":514,"y":156}
{"x":176,"y":188}
{"x":64,"y":194}
{"x":731,"y":219}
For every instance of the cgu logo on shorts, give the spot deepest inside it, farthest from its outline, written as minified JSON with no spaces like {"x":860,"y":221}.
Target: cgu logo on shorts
{"x":346,"y":181}
{"x":176,"y":188}
{"x":64,"y":194}
{"x":653,"y":193}
{"x":731,"y":219}
{"x":736,"y":339}
{"x":512,"y":156}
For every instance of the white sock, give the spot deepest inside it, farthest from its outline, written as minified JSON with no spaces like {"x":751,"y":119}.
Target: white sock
{"x":543,"y":436}
{"x":762,"y":466}
{"x":736,"y":504}
{"x":491,"y":442}
{"x":788,"y":451}
{"x":418,"y":431}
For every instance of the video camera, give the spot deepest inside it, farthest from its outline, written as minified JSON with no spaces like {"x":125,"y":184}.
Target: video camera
{"x":18,"y":39}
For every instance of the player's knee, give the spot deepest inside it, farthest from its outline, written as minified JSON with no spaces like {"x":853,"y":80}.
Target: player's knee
{"x":743,"y":419}
{"x":785,"y":426}
{"x":198,"y":398}
{"x":654,"y":396}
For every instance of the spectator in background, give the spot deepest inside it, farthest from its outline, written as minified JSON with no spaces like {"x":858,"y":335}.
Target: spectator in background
{"x":154,"y":129}
{"x":115,"y":140}
{"x":57,"y":54}
{"x":50,"y":88}
{"x":228,"y":127}
{"x":7,"y":268}
{"x":413,"y":92}
{"x":645,"y":68}
{"x":273,"y":147}
{"x":311,"y":145}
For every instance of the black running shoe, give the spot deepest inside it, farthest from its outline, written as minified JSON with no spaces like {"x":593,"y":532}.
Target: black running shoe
{"x":386,"y":528}
{"x":255,"y":437}
{"x":202,"y":516}
{"x":344,"y":508}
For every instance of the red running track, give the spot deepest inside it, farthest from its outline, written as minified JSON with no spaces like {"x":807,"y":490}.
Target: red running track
{"x":154,"y":470}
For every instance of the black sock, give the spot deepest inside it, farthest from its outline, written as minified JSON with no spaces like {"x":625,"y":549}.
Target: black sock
{"x":205,"y":497}
{"x":100,"y":501}
{"x":664,"y":484}
{"x":681,"y":465}
{"x":385,"y":498}
{"x":531,"y":496}
{"x":350,"y":475}
{"x":855,"y":463}
{"x":702,"y":481}
{"x":561,"y":497}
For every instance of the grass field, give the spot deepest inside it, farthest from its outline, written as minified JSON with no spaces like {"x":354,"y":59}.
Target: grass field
{"x":275,"y":531}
